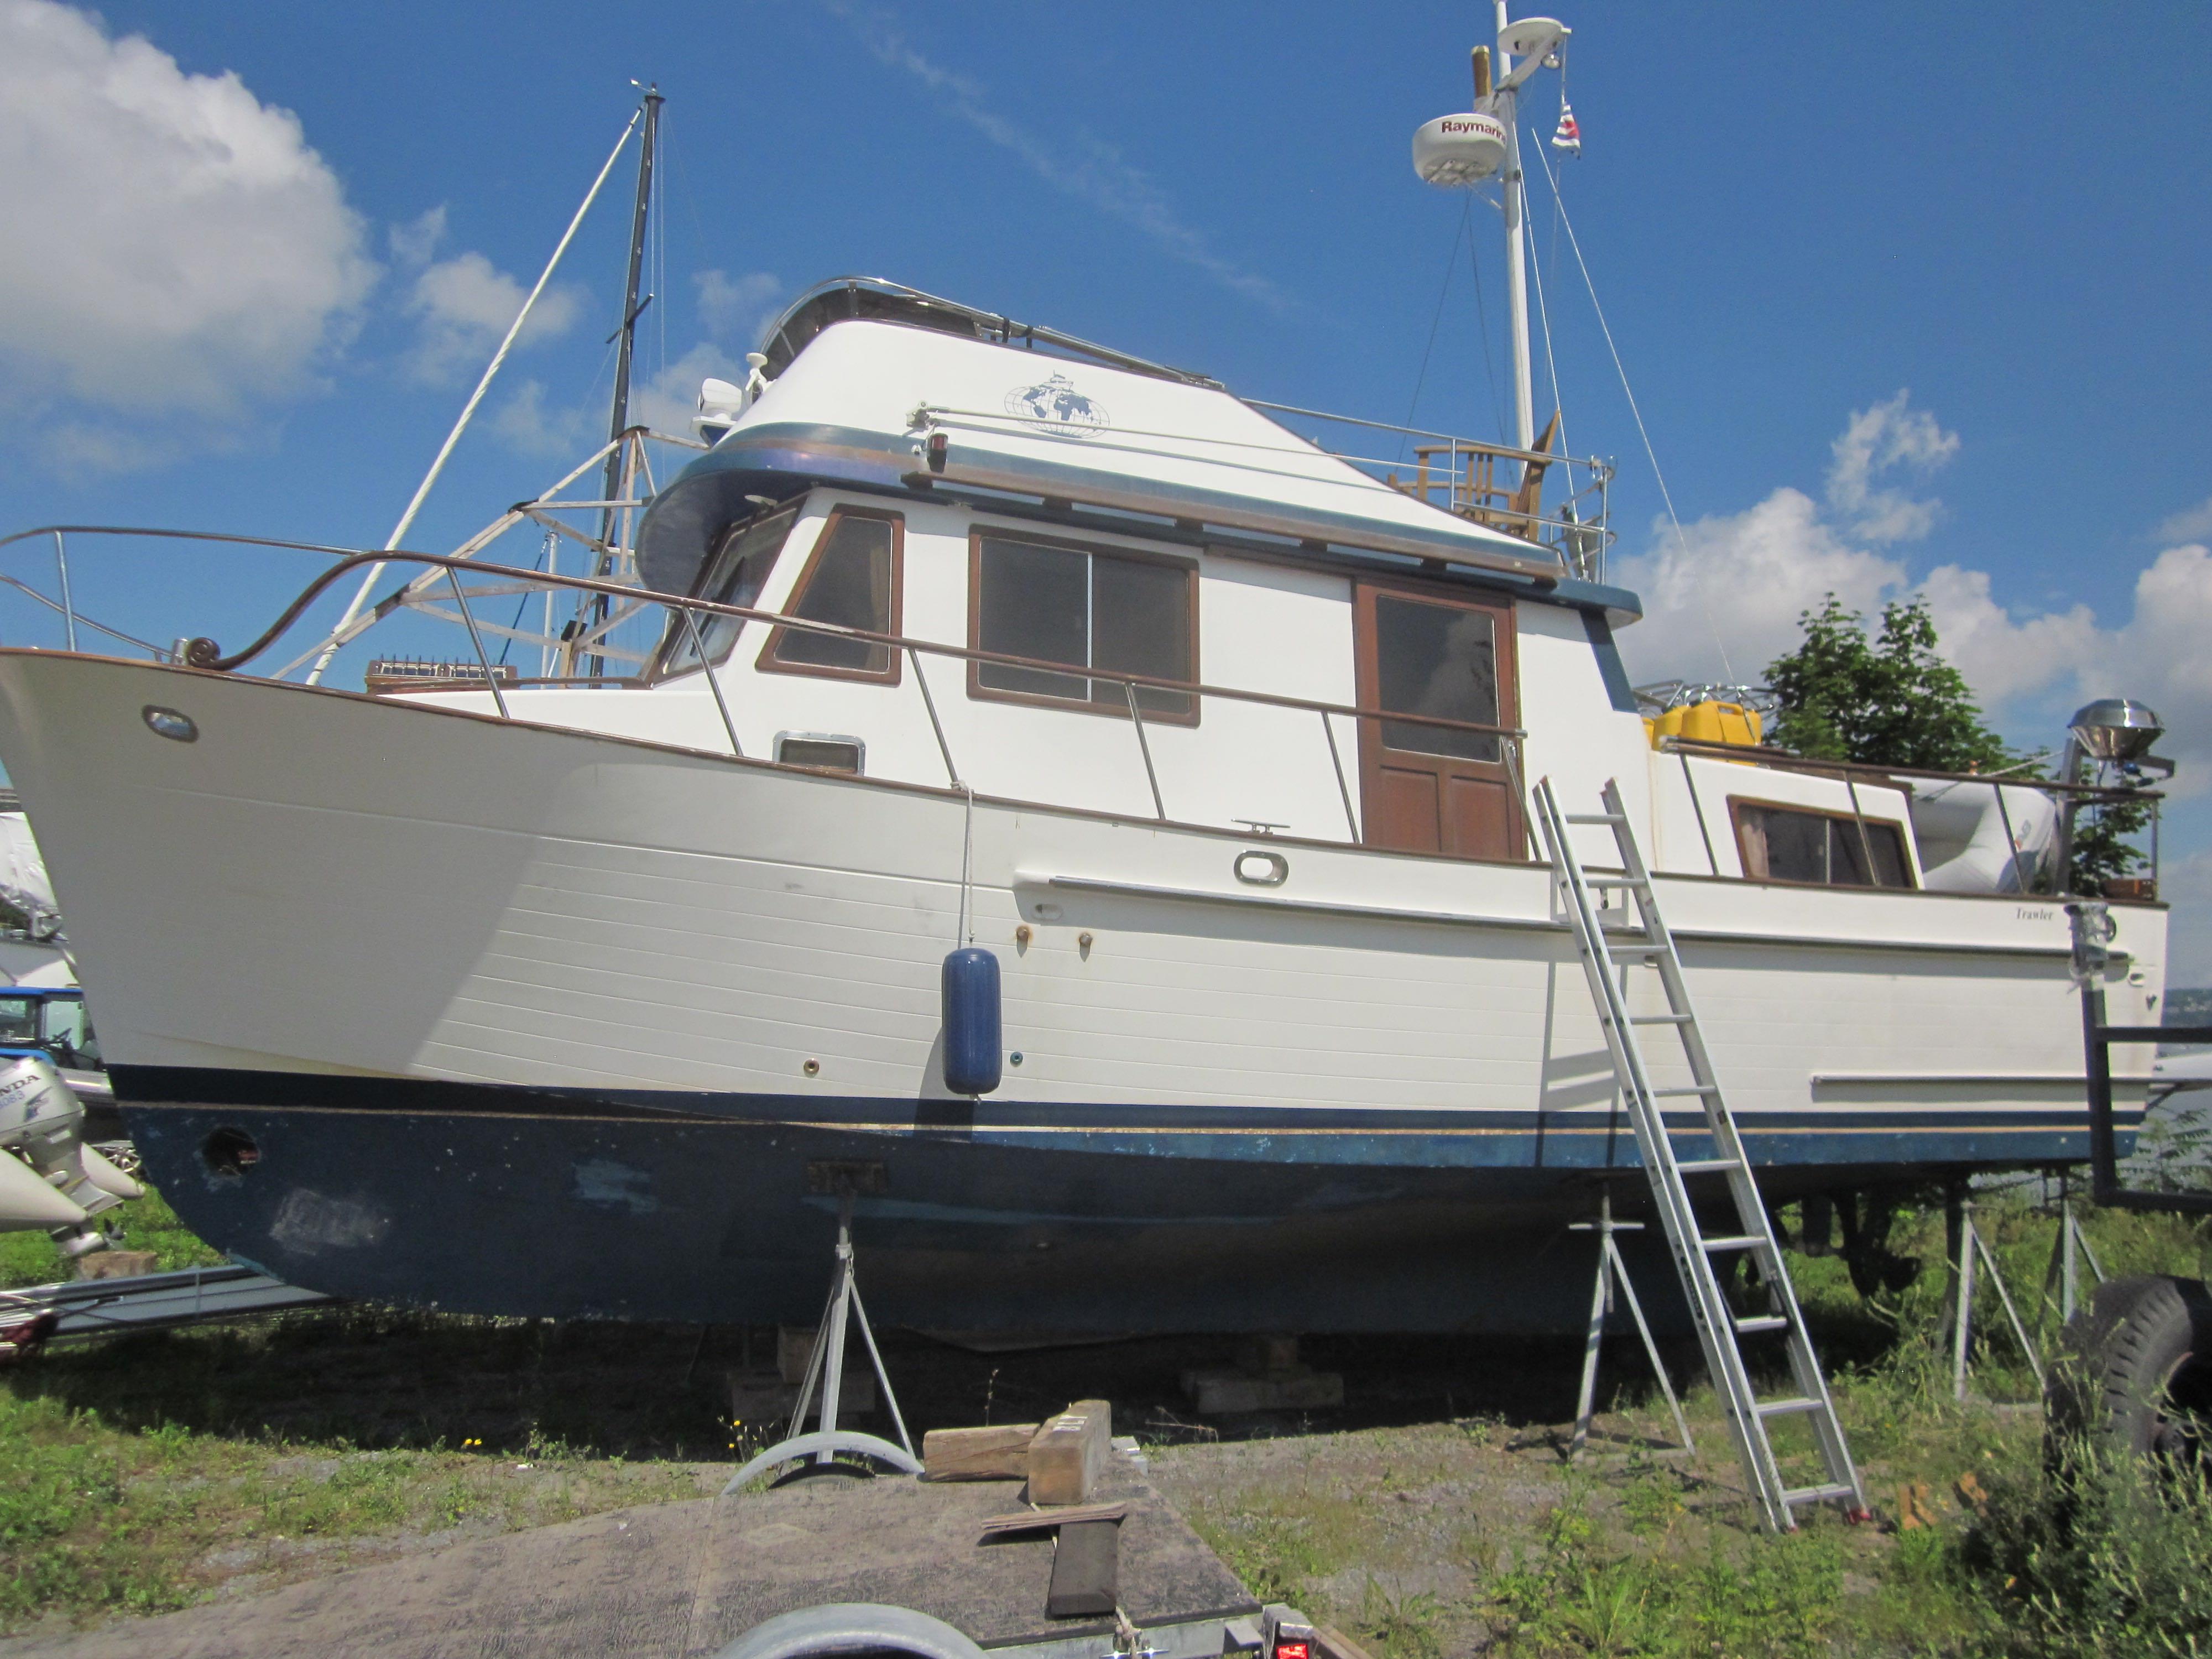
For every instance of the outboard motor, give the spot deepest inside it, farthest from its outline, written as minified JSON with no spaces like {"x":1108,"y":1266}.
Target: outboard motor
{"x":49,"y":1178}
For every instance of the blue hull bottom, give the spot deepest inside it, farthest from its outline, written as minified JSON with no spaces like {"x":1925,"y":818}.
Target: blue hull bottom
{"x":651,"y":1206}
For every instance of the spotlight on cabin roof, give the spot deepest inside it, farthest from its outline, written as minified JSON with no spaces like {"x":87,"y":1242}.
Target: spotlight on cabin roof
{"x":2116,"y":729}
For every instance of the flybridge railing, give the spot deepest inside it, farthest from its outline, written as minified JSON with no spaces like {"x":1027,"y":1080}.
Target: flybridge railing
{"x":1463,"y":472}
{"x":685,"y":624}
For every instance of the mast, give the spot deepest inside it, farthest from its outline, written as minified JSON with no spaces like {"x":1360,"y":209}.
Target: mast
{"x":618,"y":421}
{"x":1516,"y":238}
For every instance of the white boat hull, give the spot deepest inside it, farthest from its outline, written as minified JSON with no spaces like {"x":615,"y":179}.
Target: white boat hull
{"x":477,"y":993}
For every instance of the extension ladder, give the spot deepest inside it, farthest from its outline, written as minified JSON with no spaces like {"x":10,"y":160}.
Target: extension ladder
{"x":1644,"y":941}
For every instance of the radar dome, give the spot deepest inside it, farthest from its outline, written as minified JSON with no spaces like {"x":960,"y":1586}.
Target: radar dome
{"x":1455,"y":151}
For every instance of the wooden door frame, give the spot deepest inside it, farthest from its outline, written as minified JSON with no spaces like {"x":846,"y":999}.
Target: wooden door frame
{"x":1366,"y":678}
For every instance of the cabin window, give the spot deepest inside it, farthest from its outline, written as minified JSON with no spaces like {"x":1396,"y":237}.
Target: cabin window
{"x":852,"y":580}
{"x":1111,"y":612}
{"x":1827,"y":849}
{"x":735,"y":575}
{"x":1439,"y":660}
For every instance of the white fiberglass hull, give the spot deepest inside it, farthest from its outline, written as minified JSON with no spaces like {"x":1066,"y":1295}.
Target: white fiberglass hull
{"x":476,"y":992}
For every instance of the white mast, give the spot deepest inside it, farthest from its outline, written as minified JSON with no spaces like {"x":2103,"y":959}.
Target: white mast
{"x":1516,"y":238}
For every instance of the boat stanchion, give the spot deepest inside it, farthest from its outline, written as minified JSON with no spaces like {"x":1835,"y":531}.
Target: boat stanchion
{"x":1613,"y":1271}
{"x":825,"y":1366}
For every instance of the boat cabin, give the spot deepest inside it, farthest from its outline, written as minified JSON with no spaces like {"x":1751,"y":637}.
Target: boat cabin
{"x":986,"y":557}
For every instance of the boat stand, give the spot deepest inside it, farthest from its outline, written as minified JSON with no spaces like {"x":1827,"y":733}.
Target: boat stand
{"x":2068,"y":1251}
{"x":1970,"y":1246}
{"x":1612,"y":1271}
{"x":825,"y":1373}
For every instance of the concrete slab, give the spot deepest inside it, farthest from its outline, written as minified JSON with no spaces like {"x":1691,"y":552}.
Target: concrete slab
{"x":679,"y":1580}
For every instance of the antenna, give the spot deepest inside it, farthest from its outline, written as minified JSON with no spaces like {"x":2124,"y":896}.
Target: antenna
{"x":1457,"y":152}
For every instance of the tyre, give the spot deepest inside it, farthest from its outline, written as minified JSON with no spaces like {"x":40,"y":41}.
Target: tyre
{"x":2134,"y":1377}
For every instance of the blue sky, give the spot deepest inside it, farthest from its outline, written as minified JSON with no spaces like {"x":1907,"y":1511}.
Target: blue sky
{"x":1792,"y":216}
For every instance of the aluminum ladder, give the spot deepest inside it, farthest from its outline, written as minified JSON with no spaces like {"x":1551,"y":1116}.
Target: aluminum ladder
{"x":1644,"y":941}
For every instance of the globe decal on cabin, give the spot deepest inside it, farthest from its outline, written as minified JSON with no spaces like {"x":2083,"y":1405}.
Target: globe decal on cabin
{"x":1056,"y":405}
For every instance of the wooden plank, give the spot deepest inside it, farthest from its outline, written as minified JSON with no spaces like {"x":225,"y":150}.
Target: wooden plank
{"x":1086,"y":1570}
{"x":983,"y":1454}
{"x":1335,"y":1645}
{"x":1041,"y":1520}
{"x":1069,"y":1453}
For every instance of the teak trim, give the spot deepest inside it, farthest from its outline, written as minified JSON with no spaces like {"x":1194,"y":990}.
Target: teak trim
{"x":767,"y":662}
{"x":978,"y":534}
{"x":1367,"y":682}
{"x":1905,"y":845}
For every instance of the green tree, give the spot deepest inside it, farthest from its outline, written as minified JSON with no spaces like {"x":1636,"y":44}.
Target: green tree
{"x":1885,"y":700}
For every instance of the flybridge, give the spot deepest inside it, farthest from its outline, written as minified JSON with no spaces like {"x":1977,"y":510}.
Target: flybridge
{"x":868,"y":384}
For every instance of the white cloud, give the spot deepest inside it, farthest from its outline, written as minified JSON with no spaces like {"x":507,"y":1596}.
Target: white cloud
{"x":2186,"y":884}
{"x":1093,"y":172}
{"x":667,"y":402}
{"x":527,"y":424}
{"x":2192,"y":524}
{"x":736,"y":307}
{"x":414,"y":242}
{"x":171,"y":243}
{"x":1888,"y":436}
{"x":1728,"y":596}
{"x":464,"y":306}
{"x":2003,"y":660}
{"x":1723,"y":600}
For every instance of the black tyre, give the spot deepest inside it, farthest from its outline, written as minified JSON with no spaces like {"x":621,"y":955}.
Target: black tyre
{"x":2134,"y":1377}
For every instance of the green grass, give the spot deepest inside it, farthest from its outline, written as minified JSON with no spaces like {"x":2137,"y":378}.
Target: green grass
{"x":95,"y":1518}
{"x":142,"y":1473}
{"x":143,"y":1223}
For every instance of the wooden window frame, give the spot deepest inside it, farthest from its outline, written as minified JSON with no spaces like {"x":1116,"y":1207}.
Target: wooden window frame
{"x":978,"y":534}
{"x":1855,"y":819}
{"x":766,"y":662}
{"x":709,"y":569}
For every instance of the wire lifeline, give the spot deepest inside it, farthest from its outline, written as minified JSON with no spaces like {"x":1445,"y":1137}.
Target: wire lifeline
{"x":1621,"y":369}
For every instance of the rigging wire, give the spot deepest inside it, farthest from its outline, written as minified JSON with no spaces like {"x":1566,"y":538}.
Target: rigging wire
{"x":1551,"y":362}
{"x":1451,"y":263}
{"x":1643,"y":432}
{"x":1482,"y":315}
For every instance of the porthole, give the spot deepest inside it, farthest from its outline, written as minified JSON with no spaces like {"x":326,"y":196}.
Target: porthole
{"x":170,"y":724}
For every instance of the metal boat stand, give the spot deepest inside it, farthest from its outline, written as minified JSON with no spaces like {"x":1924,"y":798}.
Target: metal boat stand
{"x":2068,"y":1251}
{"x":825,"y":1372}
{"x":1612,"y":1271}
{"x":1972,"y":1245}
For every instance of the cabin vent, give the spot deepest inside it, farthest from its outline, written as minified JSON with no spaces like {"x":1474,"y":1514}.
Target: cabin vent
{"x":822,"y":751}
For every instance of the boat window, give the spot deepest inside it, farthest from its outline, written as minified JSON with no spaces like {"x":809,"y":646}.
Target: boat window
{"x":1439,"y":660}
{"x":1782,"y":843}
{"x":19,"y":1021}
{"x":735,"y":575}
{"x":1057,"y":603}
{"x":852,"y":580}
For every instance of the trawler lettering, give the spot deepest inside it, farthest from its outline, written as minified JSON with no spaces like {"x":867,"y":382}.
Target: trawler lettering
{"x":679,"y":904}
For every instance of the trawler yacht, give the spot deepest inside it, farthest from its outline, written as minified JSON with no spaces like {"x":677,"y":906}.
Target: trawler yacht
{"x":1206,"y":751}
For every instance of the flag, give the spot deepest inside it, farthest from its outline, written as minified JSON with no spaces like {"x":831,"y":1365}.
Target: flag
{"x":1568,"y":136}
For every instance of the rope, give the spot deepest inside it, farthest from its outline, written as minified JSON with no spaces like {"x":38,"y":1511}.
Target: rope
{"x":1551,"y":363}
{"x":966,"y":930}
{"x":1621,"y":369}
